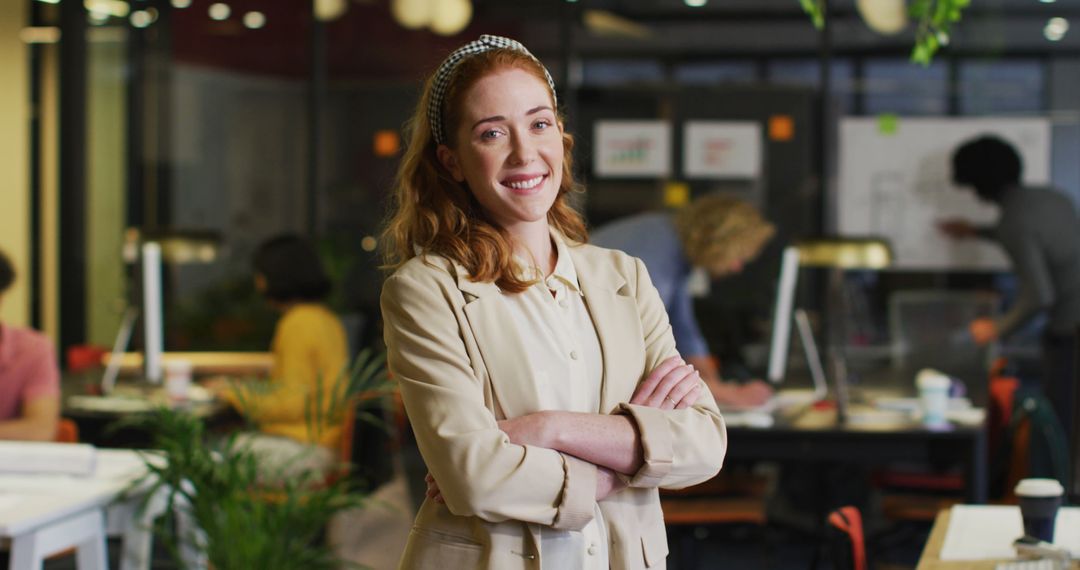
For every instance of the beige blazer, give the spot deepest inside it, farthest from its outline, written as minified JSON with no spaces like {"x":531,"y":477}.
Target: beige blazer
{"x":458,"y":358}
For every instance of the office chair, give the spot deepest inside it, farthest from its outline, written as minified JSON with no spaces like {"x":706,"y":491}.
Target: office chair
{"x":848,"y":544}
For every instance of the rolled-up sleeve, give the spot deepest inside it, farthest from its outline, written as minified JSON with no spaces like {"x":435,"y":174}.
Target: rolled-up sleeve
{"x":679,"y":447}
{"x":479,"y":471}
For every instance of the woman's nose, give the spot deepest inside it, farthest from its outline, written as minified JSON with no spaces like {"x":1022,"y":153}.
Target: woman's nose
{"x":522,"y":150}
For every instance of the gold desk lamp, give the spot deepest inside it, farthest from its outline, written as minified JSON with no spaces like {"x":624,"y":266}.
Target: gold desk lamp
{"x":839,"y":255}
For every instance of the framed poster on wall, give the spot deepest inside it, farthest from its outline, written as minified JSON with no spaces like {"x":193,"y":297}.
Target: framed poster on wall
{"x":632,"y":149}
{"x":721,"y":149}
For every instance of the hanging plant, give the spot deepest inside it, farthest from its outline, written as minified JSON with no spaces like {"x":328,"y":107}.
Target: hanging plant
{"x":934,"y":20}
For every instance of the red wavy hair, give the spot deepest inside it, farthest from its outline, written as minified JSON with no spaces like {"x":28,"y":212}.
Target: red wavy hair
{"x":430,"y":212}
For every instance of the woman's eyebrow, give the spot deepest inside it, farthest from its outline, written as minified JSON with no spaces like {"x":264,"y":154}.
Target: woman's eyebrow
{"x":497,"y":118}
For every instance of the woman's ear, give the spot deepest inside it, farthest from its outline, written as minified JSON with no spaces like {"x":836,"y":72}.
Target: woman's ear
{"x":449,"y":160}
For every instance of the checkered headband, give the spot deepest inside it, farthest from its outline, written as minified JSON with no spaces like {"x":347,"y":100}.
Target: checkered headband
{"x":446,"y":71}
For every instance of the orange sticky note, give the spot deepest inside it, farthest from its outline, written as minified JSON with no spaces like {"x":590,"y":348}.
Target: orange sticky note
{"x":387,"y":143}
{"x":781,"y":128}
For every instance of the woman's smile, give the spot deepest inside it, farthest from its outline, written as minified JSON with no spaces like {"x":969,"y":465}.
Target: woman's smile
{"x":524,"y":183}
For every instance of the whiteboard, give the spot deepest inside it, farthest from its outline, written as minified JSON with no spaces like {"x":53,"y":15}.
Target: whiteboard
{"x":895,"y":181}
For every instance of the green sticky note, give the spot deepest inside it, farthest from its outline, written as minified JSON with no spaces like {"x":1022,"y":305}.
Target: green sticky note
{"x":887,"y":123}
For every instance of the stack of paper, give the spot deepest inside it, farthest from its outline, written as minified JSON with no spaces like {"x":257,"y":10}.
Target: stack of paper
{"x":986,"y":532}
{"x":52,"y":458}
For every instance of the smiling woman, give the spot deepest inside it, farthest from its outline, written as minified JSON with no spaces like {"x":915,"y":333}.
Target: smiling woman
{"x":539,"y":373}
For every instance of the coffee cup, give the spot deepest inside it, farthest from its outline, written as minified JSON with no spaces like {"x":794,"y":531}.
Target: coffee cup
{"x":933,"y":396}
{"x":177,"y":379}
{"x":1039,"y":502}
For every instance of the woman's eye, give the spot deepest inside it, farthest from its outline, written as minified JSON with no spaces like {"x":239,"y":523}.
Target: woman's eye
{"x":541,"y":124}
{"x":489,"y":134}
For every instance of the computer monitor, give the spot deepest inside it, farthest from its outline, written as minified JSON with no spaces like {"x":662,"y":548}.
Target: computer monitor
{"x":782,"y":311}
{"x":152,"y":312}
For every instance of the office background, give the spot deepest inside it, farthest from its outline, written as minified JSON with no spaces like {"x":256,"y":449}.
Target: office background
{"x":156,"y":116}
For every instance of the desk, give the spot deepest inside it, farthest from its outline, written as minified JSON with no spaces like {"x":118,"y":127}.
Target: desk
{"x":815,"y":435}
{"x":46,"y":514}
{"x":931,"y":555}
{"x":96,"y":415}
{"x":205,"y":363}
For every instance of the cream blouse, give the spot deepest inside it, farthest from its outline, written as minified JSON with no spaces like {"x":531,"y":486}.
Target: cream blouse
{"x":564,"y":354}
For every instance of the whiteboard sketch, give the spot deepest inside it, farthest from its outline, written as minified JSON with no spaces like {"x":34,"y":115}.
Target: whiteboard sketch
{"x":897,"y":184}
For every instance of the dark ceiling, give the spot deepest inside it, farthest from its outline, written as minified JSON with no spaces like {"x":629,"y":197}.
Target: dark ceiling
{"x":367,"y":44}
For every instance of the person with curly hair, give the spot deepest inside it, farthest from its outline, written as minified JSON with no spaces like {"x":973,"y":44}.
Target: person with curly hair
{"x":716,"y":232}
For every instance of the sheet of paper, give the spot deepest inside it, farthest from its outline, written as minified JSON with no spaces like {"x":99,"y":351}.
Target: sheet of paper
{"x":986,"y":532}
{"x":9,"y":501}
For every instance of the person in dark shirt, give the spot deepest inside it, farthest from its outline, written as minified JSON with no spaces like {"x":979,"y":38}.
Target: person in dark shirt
{"x":1040,"y":231}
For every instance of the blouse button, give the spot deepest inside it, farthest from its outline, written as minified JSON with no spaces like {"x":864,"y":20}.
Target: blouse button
{"x":592,"y":550}
{"x":573,"y":354}
{"x":563,"y":303}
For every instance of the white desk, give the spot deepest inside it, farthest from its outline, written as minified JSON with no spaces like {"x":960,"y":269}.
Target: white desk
{"x":46,"y":514}
{"x":978,"y":537}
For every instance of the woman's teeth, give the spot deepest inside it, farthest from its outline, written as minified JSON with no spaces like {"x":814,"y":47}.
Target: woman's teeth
{"x":526,"y":184}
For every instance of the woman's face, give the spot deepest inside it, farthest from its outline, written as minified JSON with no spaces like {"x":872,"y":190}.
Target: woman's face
{"x":509,"y":148}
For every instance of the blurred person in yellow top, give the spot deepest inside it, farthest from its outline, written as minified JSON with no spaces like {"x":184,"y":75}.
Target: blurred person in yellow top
{"x":296,"y":433}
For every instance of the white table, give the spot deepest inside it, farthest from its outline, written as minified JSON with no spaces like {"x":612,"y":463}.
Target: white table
{"x":46,"y":514}
{"x":978,"y":537}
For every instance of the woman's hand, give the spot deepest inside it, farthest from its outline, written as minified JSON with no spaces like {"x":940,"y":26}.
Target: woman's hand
{"x":674,"y":385}
{"x":983,"y":331}
{"x":749,"y":395}
{"x":433,"y":491}
{"x":957,"y":228}
{"x":607,"y":483}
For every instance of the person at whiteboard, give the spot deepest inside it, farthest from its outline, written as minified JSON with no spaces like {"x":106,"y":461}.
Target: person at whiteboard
{"x":718,"y":233}
{"x":1040,"y":231}
{"x":29,"y":377}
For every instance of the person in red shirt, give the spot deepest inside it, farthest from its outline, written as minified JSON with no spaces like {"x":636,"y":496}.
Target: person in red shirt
{"x":29,"y":377}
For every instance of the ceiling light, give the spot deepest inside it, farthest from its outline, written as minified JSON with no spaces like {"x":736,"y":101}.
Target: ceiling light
{"x":181,"y":4}
{"x":1055,"y":29}
{"x":140,"y":18}
{"x":254,"y":20}
{"x":328,"y":10}
{"x":883,"y":16}
{"x":604,"y":23}
{"x":695,"y":3}
{"x":448,"y":17}
{"x":117,"y":8}
{"x":219,"y":11}
{"x":412,"y":14}
{"x":1047,"y":1}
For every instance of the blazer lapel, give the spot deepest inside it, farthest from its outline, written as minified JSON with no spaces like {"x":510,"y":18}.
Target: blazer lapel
{"x":616,"y":321}
{"x":501,"y":346}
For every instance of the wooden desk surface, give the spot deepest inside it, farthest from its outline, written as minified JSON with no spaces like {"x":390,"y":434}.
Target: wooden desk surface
{"x":205,"y":363}
{"x":931,"y":555}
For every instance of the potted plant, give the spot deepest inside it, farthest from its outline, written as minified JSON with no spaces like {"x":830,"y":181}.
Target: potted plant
{"x":233,"y":517}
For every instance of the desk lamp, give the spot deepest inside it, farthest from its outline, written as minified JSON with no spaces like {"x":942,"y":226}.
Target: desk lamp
{"x":839,"y":255}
